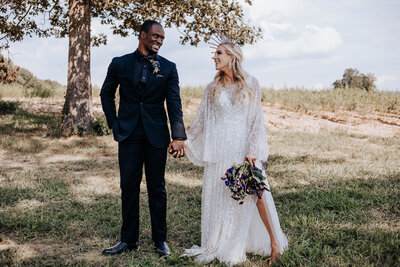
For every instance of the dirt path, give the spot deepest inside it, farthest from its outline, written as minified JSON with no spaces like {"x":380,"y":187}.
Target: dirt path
{"x":371,"y":124}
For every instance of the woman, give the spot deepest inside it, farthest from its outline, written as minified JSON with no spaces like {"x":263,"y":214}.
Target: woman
{"x":228,"y":129}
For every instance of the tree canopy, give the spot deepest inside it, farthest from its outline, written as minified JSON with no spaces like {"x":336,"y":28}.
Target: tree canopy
{"x":197,"y":20}
{"x":352,"y":78}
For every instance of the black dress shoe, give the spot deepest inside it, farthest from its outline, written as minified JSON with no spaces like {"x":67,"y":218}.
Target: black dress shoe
{"x":119,"y":248}
{"x":162,"y":249}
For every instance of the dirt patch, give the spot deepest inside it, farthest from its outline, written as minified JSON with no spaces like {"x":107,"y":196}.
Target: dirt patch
{"x":61,"y":158}
{"x":182,"y":180}
{"x":16,"y":253}
{"x":90,"y":257}
{"x":374,"y":124}
{"x":94,"y":185}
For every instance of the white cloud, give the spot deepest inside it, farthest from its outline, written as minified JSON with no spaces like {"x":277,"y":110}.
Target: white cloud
{"x":291,"y":30}
{"x":277,"y":11}
{"x":45,"y":58}
{"x":381,"y":79}
{"x":388,"y":82}
{"x":284,"y":41}
{"x":319,"y":86}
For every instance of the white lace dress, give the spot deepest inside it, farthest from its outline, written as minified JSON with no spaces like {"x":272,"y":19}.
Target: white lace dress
{"x":223,"y":133}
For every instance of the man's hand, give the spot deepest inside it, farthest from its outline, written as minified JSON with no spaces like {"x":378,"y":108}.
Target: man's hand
{"x":251,"y":161}
{"x":177,"y":148}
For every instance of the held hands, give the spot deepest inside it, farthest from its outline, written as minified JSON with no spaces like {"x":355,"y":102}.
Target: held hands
{"x":251,"y":161}
{"x":177,"y":148}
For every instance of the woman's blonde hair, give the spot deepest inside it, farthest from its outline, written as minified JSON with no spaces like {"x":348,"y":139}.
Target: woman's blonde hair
{"x":239,"y":75}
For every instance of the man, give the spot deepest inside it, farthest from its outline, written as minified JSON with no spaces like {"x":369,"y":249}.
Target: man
{"x":145,"y":81}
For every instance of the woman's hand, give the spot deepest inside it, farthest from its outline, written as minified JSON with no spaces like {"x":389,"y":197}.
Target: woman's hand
{"x":251,"y":161}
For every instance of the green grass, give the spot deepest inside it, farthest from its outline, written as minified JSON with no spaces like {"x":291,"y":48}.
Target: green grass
{"x":337,"y":196}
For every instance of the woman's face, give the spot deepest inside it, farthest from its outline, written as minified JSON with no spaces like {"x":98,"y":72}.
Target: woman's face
{"x":221,"y":59}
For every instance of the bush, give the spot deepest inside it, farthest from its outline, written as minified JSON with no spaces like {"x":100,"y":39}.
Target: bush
{"x":7,"y":70}
{"x":99,"y":127}
{"x":54,"y":126}
{"x":33,"y":87}
{"x":8,"y":107}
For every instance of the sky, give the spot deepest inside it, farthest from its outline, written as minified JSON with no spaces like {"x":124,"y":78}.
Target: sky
{"x":306,"y":44}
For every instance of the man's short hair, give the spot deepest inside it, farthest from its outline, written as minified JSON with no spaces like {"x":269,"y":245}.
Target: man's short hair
{"x":147,"y":25}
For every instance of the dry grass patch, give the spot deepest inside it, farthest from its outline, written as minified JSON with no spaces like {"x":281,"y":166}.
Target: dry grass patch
{"x":95,"y":185}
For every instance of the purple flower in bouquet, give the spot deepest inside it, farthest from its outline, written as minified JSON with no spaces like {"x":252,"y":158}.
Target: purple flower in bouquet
{"x":243,"y":180}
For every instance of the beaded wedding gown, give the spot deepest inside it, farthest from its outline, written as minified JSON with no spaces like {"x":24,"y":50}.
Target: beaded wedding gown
{"x":224,"y":131}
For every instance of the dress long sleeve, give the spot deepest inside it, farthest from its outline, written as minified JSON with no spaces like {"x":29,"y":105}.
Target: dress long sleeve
{"x":195,"y":143}
{"x":258,"y":140}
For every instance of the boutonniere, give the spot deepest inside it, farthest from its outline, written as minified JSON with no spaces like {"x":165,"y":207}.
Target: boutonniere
{"x":156,"y":66}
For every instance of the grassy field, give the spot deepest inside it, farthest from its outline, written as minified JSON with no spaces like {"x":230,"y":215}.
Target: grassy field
{"x":339,"y":99}
{"x":337,"y":195}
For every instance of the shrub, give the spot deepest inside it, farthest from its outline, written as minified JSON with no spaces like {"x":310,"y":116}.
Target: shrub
{"x":7,"y":70}
{"x":8,"y":107}
{"x":99,"y":127}
{"x":54,"y":126}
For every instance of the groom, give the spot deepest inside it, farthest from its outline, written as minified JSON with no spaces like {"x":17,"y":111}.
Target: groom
{"x":145,"y":81}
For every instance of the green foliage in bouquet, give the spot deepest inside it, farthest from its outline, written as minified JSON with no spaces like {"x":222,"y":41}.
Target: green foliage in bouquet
{"x":244,"y":180}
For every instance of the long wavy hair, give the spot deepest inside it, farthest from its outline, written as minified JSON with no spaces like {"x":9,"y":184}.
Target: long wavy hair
{"x":239,"y":75}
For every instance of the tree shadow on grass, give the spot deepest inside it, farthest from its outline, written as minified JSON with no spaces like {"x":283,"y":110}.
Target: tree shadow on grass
{"x":306,"y":158}
{"x":21,"y":121}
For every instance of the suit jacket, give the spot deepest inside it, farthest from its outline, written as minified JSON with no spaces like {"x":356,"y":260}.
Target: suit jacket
{"x":148,"y":106}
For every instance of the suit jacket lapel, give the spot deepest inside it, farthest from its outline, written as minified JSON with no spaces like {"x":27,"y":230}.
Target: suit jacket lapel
{"x":131,"y":66}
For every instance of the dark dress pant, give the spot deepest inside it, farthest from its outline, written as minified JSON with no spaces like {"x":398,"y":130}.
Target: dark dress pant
{"x":133,"y":152}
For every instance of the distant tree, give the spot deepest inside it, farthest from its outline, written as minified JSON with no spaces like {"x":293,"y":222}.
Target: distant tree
{"x":352,"y":78}
{"x":369,"y":81}
{"x":72,"y":18}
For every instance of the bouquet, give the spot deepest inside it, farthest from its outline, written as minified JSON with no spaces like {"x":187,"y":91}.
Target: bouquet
{"x":244,"y":180}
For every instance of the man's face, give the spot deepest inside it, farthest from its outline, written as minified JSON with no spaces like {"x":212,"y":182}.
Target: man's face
{"x":154,"y":39}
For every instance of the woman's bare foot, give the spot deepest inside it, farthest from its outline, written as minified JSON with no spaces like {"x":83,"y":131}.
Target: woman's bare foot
{"x":274,"y":252}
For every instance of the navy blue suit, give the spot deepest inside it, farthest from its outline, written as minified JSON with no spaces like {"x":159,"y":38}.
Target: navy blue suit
{"x":142,"y":133}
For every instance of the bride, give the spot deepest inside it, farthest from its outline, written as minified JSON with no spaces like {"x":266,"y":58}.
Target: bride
{"x":229,"y":129}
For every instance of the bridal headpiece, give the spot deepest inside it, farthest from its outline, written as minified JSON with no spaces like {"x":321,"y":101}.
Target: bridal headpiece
{"x":221,"y":38}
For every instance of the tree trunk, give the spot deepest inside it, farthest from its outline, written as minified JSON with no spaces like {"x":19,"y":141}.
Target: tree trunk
{"x":78,"y":111}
